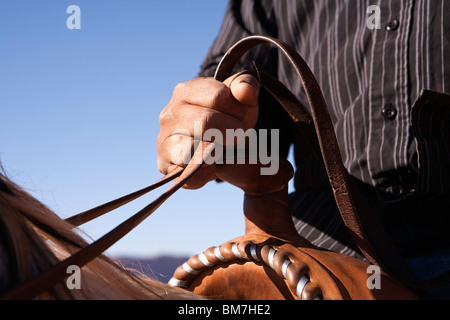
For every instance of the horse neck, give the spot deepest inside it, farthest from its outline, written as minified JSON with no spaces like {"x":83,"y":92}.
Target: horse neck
{"x":33,"y":238}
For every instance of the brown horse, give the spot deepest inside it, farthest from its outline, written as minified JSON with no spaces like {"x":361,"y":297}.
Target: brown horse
{"x":33,"y":239}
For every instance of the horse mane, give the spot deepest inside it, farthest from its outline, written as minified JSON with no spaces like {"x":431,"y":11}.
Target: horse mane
{"x":33,"y":238}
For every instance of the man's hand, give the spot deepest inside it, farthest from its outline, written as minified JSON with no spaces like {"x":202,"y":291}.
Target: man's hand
{"x":207,"y":104}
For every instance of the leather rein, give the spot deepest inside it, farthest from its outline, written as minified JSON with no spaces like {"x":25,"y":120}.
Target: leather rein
{"x":318,"y":131}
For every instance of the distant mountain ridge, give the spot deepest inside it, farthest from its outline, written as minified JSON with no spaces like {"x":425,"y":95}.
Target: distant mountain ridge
{"x":158,"y":268}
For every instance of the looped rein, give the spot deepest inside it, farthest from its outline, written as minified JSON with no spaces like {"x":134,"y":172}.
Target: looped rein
{"x":339,"y":180}
{"x":365,"y":229}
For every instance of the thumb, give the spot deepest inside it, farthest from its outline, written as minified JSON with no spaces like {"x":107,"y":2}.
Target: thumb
{"x":245,"y":89}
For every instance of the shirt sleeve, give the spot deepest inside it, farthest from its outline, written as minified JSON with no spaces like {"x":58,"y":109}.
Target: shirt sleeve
{"x":242,"y":19}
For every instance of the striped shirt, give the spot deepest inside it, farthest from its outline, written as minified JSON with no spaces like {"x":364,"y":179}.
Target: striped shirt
{"x":384,"y":71}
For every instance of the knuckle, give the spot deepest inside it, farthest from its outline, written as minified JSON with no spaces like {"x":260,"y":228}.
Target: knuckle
{"x":179,"y":87}
{"x":220,"y":96}
{"x":166,"y":115}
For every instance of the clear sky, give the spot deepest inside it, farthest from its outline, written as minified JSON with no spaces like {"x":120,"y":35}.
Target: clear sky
{"x":79,"y":114}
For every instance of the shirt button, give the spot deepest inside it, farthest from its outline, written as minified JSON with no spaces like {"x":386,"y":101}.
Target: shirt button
{"x":395,"y":191}
{"x":393,"y":25}
{"x":389,"y":112}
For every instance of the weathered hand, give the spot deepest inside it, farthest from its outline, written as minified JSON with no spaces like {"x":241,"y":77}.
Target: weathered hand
{"x":196,"y":106}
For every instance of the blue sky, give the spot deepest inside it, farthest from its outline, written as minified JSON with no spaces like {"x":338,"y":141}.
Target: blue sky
{"x":79,"y":113}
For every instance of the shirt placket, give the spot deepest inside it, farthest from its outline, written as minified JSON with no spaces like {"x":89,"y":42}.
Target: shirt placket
{"x":389,"y":98}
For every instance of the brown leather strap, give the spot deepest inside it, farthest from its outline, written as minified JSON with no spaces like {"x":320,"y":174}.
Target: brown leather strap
{"x":324,"y":130}
{"x":86,"y":216}
{"x":365,"y":229}
{"x":57,"y":273}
